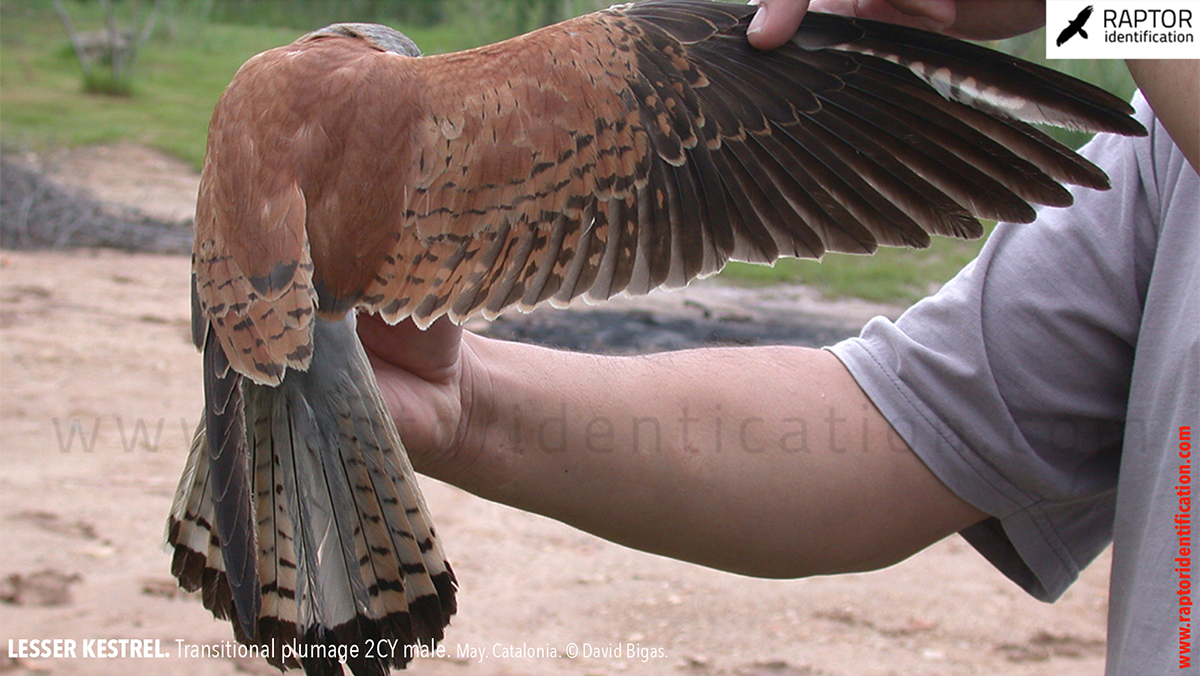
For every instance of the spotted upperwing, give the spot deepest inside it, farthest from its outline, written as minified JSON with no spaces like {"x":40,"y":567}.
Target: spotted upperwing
{"x":638,"y":147}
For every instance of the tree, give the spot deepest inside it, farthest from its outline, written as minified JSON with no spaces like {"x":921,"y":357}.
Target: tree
{"x":107,"y":56}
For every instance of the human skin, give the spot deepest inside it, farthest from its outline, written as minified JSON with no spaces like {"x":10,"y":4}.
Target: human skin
{"x":763,"y":461}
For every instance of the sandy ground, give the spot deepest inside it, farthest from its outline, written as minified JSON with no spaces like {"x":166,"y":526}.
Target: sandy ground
{"x":100,"y":392}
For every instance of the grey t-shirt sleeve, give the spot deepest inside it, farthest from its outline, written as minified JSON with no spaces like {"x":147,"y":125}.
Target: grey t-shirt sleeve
{"x":1011,"y":383}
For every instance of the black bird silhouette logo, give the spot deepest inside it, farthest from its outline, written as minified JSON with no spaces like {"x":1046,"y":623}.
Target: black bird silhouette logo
{"x":1076,"y":26}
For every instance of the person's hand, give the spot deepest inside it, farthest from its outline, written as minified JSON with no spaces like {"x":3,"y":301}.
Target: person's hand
{"x":425,"y":380}
{"x":777,"y":20}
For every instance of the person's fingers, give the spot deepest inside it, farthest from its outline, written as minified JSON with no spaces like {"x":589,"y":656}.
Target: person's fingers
{"x":983,"y":20}
{"x":970,"y":19}
{"x":419,"y":376}
{"x":932,"y":15}
{"x":430,"y":354}
{"x":775,"y":22}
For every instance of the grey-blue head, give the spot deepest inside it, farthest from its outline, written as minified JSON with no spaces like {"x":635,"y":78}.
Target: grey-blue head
{"x":382,"y":37}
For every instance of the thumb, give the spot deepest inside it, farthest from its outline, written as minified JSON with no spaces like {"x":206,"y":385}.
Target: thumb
{"x":775,"y":22}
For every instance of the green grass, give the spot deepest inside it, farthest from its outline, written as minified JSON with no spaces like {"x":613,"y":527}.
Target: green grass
{"x":889,"y":276}
{"x":176,"y":82}
{"x":183,"y":70}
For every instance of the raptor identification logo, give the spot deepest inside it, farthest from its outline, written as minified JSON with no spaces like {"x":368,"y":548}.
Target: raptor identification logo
{"x":1123,"y":29}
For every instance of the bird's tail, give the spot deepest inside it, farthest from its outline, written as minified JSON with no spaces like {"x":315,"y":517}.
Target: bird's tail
{"x":345,"y":554}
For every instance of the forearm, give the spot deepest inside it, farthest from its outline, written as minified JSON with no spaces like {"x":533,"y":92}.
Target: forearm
{"x":1172,"y":87}
{"x":764,"y":461}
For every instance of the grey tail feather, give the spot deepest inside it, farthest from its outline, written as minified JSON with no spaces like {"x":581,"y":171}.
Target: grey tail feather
{"x":344,"y":549}
{"x":230,"y":476}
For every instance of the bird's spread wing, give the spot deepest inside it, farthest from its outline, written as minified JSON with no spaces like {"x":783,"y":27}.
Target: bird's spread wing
{"x":636,"y":147}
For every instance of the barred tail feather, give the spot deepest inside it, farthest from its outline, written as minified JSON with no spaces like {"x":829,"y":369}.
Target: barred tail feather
{"x":191,"y":529}
{"x":346,"y":552}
